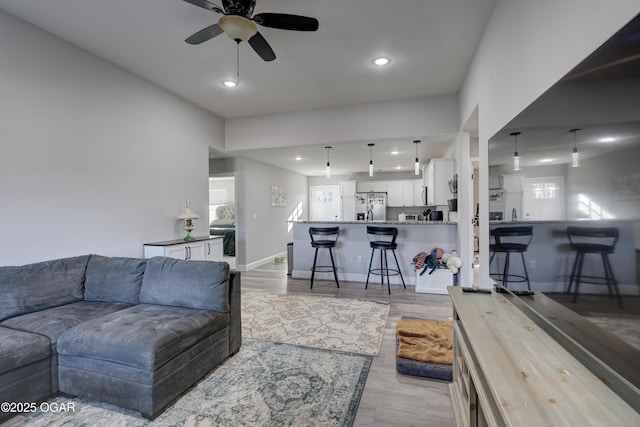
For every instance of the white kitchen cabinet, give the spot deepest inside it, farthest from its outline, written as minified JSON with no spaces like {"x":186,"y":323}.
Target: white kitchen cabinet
{"x":372,"y":186}
{"x":512,"y":183}
{"x":418,"y":192}
{"x":437,"y":176}
{"x":348,"y":195}
{"x":400,"y":193}
{"x":207,"y":248}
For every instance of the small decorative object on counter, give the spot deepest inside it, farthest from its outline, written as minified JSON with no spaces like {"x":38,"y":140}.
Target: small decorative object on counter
{"x":476,"y":272}
{"x":188,"y":216}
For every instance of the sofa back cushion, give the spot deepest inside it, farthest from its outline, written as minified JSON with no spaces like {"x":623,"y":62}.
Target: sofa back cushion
{"x":114,"y":279}
{"x":35,"y":287}
{"x":193,"y":284}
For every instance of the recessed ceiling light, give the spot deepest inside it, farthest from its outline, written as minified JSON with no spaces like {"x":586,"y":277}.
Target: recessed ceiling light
{"x":398,"y":167}
{"x":229,"y":83}
{"x":395,"y":152}
{"x":381,"y":61}
{"x":546,"y":160}
{"x":298,"y":158}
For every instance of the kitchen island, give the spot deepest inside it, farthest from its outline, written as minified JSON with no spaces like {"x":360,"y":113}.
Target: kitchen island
{"x":550,"y":260}
{"x":352,"y":253}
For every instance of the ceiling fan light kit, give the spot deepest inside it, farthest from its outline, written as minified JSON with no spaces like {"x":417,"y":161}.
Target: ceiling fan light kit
{"x":238,"y":28}
{"x":240,"y":25}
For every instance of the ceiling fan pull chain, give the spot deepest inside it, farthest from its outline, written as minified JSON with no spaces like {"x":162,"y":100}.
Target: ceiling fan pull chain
{"x":238,"y":62}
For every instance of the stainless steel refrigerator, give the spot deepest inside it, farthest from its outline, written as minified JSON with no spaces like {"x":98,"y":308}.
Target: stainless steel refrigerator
{"x":371,"y":206}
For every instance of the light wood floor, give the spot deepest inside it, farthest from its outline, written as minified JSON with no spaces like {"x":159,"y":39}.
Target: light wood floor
{"x":392,"y":399}
{"x":389,"y":398}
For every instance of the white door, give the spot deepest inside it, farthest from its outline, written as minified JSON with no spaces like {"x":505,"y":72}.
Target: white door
{"x":543,"y":198}
{"x":324,"y":203}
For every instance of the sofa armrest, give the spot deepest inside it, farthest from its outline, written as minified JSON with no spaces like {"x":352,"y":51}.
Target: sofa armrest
{"x":235,"y":325}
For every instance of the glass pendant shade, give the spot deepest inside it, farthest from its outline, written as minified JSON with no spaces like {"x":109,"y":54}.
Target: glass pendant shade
{"x":370,"y":168}
{"x":516,"y":156}
{"x":575,"y":158}
{"x":370,"y":159}
{"x":416,"y":165}
{"x":327,"y":171}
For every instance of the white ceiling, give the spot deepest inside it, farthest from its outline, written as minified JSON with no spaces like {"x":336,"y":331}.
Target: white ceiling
{"x":431,"y":44}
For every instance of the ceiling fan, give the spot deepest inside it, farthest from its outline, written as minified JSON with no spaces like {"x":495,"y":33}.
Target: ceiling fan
{"x":239,"y":24}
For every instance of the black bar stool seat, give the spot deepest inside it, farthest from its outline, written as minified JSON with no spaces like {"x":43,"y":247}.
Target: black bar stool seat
{"x":385,"y":240}
{"x":511,"y":240}
{"x":328,"y":239}
{"x":598,"y":241}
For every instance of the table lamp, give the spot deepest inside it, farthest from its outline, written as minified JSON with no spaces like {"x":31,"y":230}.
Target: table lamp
{"x":188,"y":215}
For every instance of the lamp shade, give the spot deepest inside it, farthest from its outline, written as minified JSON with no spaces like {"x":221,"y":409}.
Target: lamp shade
{"x":188,"y":214}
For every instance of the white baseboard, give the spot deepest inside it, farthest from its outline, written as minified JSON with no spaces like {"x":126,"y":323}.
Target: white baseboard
{"x":263,"y":261}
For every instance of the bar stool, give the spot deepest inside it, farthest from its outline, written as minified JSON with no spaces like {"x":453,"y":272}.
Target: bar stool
{"x":593,"y":240}
{"x":329,"y":238}
{"x":385,"y":240}
{"x":510,"y":240}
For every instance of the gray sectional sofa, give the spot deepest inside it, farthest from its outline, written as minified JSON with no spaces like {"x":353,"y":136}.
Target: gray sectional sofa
{"x":132,"y":332}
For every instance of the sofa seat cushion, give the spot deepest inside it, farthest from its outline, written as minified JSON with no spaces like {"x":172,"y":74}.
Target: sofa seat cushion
{"x":54,"y":321}
{"x":143,"y":337}
{"x":43,"y":285}
{"x":19,"y":348}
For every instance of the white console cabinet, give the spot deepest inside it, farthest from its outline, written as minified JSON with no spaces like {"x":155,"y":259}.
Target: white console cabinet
{"x":207,"y":248}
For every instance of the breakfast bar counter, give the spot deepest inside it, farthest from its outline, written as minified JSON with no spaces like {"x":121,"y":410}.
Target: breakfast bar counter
{"x":352,"y":252}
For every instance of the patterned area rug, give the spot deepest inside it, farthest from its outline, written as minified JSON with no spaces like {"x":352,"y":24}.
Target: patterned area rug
{"x":265,"y":384}
{"x":331,"y":323}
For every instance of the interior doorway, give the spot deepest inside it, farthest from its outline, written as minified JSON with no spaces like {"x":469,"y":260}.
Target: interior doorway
{"x":222,"y":214}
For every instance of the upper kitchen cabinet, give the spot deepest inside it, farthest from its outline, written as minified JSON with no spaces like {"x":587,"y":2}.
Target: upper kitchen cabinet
{"x":372,"y":186}
{"x":437,"y":176}
{"x":400,"y":193}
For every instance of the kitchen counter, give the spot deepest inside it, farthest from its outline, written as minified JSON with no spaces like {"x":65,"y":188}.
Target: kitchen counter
{"x":379,"y":222}
{"x":550,"y":260}
{"x":352,"y":253}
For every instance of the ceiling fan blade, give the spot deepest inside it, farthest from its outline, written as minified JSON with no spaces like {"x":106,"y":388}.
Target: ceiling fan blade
{"x":262,"y":48}
{"x":205,"y":5}
{"x":284,"y":21}
{"x":205,"y":34}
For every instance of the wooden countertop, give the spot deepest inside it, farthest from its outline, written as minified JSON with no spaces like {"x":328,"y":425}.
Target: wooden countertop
{"x":531,"y":378}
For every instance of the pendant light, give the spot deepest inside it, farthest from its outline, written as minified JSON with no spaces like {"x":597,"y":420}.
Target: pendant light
{"x":516,"y":157}
{"x":232,"y":83}
{"x":416,"y":165}
{"x":575,"y":161}
{"x":370,"y":159}
{"x":328,"y":170}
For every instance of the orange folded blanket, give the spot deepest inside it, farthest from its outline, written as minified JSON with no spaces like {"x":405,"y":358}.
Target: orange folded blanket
{"x":425,"y":340}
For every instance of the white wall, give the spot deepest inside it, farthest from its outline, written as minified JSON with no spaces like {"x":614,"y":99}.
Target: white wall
{"x":526,"y":48}
{"x":397,"y":119}
{"x":92,"y":158}
{"x":260,"y":238}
